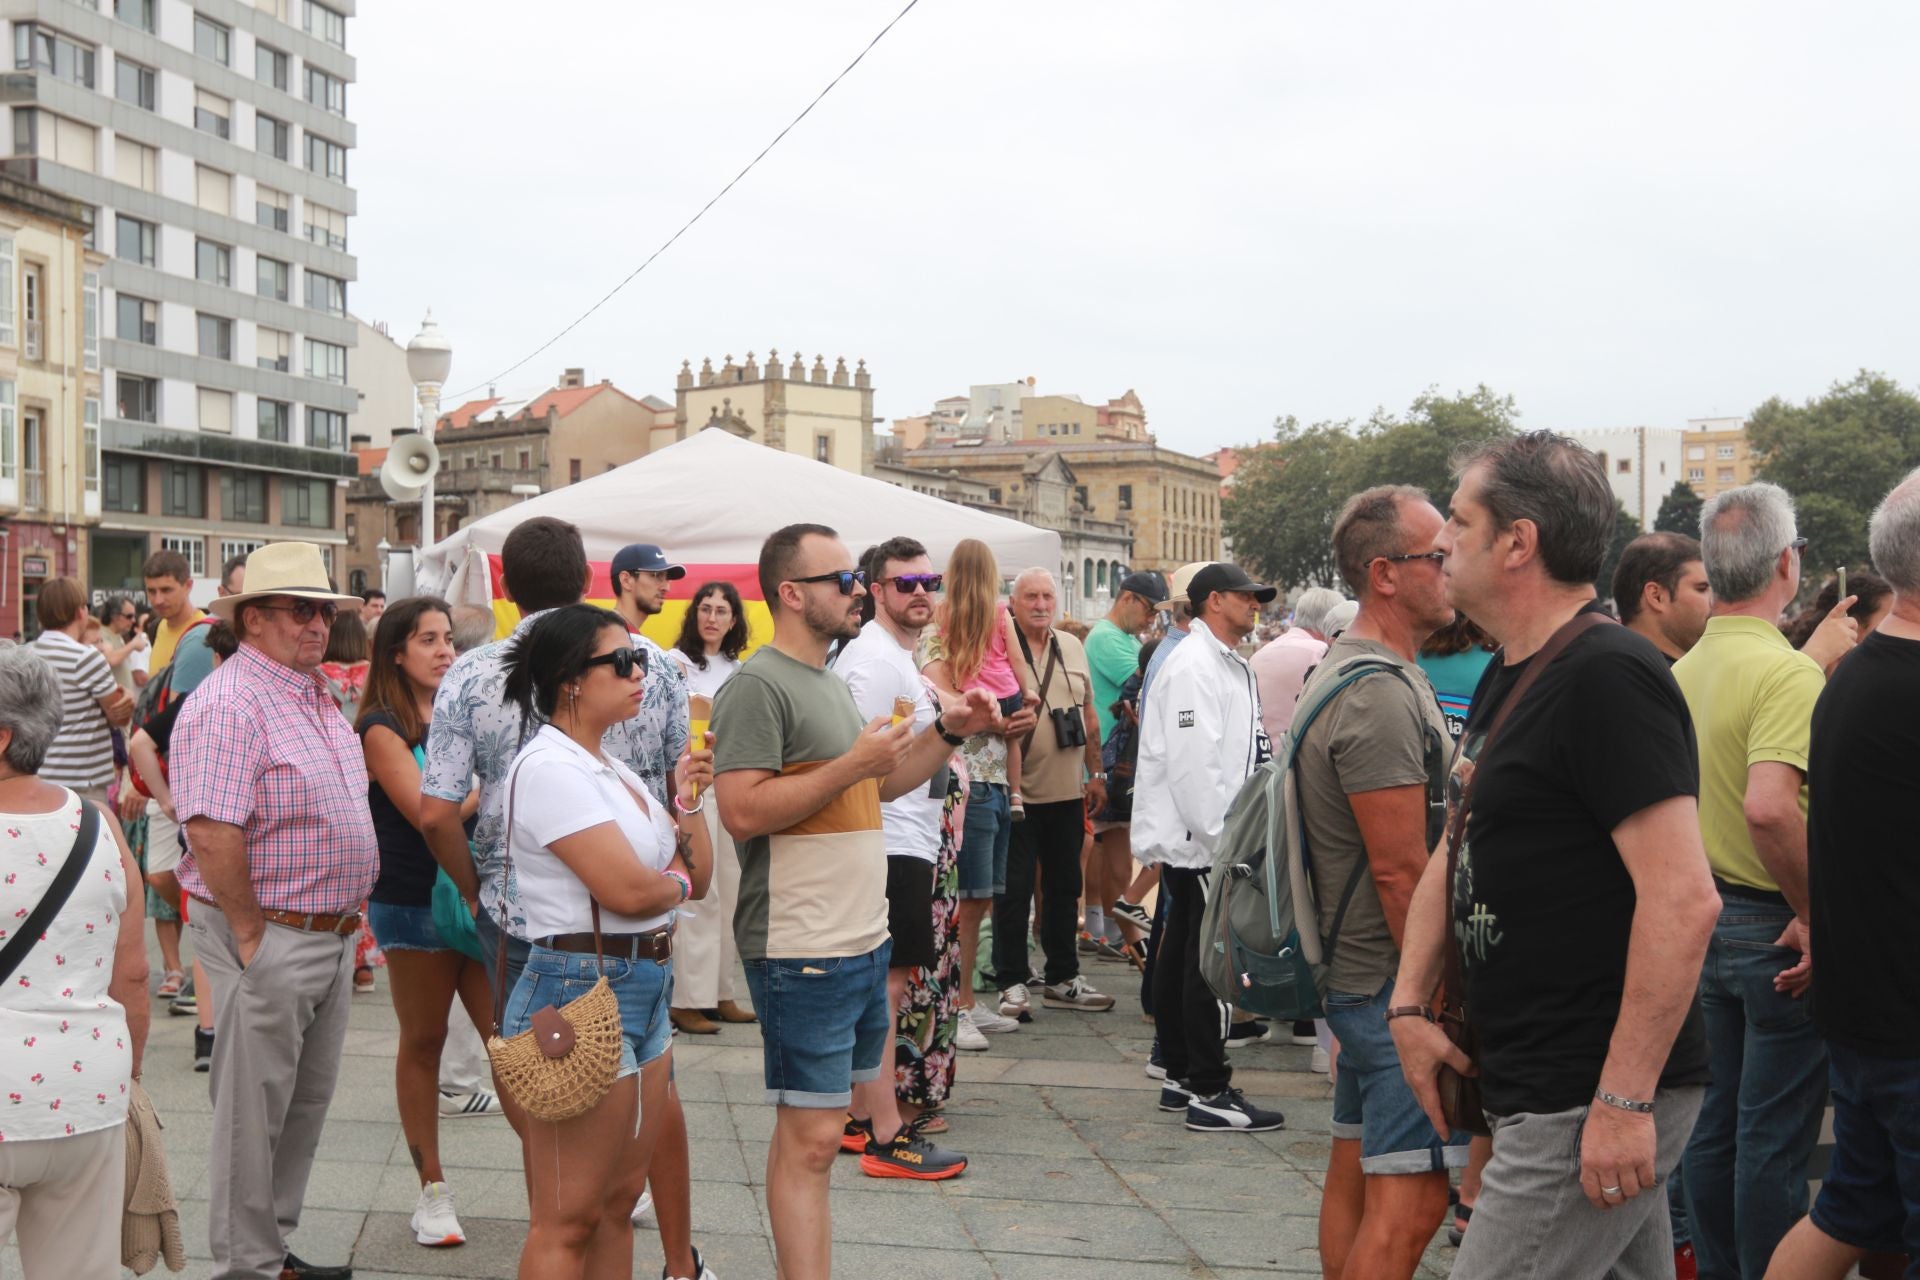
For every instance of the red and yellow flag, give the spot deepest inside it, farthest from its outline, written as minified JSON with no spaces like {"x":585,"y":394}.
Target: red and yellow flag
{"x":664,"y":627}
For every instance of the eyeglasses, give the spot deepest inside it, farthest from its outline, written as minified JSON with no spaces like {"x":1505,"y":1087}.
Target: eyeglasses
{"x":715,"y":611}
{"x":304,"y":611}
{"x":908,"y":583}
{"x":1438,"y":557}
{"x":623,"y":661}
{"x":1798,"y":544}
{"x":847,"y":578}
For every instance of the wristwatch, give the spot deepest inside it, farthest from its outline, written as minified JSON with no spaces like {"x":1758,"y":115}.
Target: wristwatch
{"x":1097,"y":777}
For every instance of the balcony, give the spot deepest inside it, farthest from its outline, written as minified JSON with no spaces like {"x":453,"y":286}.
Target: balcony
{"x":457,"y":480}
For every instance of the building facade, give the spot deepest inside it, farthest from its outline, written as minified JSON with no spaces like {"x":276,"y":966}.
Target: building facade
{"x":382,"y":387}
{"x":826,"y":416}
{"x":1642,"y":465}
{"x":1717,"y":457}
{"x":212,"y":144}
{"x":49,"y":396}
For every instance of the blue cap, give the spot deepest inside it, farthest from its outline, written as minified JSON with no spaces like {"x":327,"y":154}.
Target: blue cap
{"x":643,"y":557}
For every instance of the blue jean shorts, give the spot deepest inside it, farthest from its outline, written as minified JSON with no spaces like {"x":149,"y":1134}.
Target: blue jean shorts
{"x":1371,"y":1100}
{"x":984,"y":840}
{"x":823,"y":1025}
{"x":403,"y":928}
{"x":643,"y":988}
{"x":489,"y":930}
{"x":1870,"y":1197}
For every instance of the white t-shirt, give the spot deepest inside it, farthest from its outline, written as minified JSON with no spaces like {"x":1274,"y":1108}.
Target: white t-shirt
{"x":706,"y":683}
{"x":557,"y":789}
{"x":877,"y":670}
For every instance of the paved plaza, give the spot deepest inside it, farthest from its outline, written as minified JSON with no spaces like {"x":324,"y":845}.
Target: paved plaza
{"x":1074,"y":1172}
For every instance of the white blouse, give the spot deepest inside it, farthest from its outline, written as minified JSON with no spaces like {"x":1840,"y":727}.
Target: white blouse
{"x":557,"y":789}
{"x":706,"y":683}
{"x":65,"y":1060}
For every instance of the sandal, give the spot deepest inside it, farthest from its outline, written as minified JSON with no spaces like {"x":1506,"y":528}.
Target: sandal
{"x":363,"y":980}
{"x":170,"y":983}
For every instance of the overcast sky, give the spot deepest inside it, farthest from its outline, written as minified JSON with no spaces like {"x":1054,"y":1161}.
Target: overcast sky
{"x":1620,"y":214}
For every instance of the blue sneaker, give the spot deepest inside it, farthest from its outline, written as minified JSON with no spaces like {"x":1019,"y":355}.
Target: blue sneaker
{"x":1155,"y":1069}
{"x":1174,"y":1096}
{"x":1229,"y":1112}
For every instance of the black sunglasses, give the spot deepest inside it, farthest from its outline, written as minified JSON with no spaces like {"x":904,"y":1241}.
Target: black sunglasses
{"x":847,"y":578}
{"x":303,"y":611}
{"x":908,"y":583}
{"x":1438,"y":557}
{"x":623,"y":661}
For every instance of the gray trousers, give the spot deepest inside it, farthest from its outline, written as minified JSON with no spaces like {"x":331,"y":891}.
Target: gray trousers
{"x":280,"y":1024}
{"x":1533,"y":1222}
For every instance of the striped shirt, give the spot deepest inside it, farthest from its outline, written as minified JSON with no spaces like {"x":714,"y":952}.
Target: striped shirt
{"x":262,"y":747}
{"x":81,"y":754}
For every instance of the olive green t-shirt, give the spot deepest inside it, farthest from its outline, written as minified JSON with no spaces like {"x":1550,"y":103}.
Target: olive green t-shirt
{"x":819,"y":888}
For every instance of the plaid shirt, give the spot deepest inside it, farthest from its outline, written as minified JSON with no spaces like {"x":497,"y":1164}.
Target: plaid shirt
{"x":263,"y":747}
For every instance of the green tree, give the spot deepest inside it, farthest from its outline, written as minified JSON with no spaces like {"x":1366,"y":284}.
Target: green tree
{"x":1625,"y":529}
{"x":1419,"y":448}
{"x":1679,"y":511}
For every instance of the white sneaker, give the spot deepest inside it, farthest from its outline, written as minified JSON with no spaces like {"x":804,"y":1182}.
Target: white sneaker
{"x":701,"y":1271}
{"x":1322,"y":1064}
{"x":479,"y":1102}
{"x":1016,"y":1003}
{"x":1077,"y":994}
{"x":641,"y":1208}
{"x":967,"y":1036}
{"x":433,"y":1222}
{"x":994,"y":1024}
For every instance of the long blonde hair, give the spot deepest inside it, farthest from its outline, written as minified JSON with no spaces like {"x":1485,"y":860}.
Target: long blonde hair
{"x":970,"y":612}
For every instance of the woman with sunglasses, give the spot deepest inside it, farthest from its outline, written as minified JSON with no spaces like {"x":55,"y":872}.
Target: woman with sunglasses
{"x":589,"y":851}
{"x":708,"y":651}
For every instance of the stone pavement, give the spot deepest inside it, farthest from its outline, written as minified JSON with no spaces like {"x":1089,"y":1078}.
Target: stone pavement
{"x":1074,"y":1172}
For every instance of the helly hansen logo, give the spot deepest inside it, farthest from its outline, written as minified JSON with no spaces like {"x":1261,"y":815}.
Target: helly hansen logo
{"x":1186,"y":719}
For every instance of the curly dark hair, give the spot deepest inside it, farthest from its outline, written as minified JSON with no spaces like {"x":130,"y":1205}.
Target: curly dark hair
{"x":731,"y":643}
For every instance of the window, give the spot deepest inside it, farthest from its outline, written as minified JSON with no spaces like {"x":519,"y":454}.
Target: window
{"x":1724,"y":453}
{"x":37,"y":49}
{"x":326,"y":23}
{"x":212,"y":114}
{"x":90,"y":445}
{"x":216,"y":336}
{"x":6,"y":291}
{"x":137,"y":399}
{"x":211,"y":40}
{"x":306,"y":502}
{"x":277,"y":8}
{"x":243,"y":496}
{"x":1696,"y":474}
{"x":274,"y":349}
{"x":326,"y":293}
{"x":213,"y":190}
{"x":526,"y":460}
{"x":326,"y":226}
{"x":326,"y":158}
{"x":270,"y":66}
{"x":135,"y":240}
{"x":216,"y":411}
{"x":231,"y":547}
{"x":137,"y":320}
{"x":274,"y":420}
{"x":32,"y":298}
{"x":1126,"y":497}
{"x":1080,"y":494}
{"x":270,"y":207}
{"x":822,"y":448}
{"x":135,"y":164}
{"x":137,"y":13}
{"x":1624,"y":466}
{"x":326,"y":429}
{"x":1696,"y":453}
{"x":213,"y":263}
{"x":326,"y":361}
{"x":133,"y":83}
{"x":1726,"y":475}
{"x":90,"y":322}
{"x":573,"y":471}
{"x":270,"y":136}
{"x":124,"y":484}
{"x":183,"y":490}
{"x":55,"y":138}
{"x":329,"y":93}
{"x":194,"y":549}
{"x":270,"y":278}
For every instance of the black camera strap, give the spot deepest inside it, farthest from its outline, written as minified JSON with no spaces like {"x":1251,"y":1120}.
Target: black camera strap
{"x":1053,"y":656}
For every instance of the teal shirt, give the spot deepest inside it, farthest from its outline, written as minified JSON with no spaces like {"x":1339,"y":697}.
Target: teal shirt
{"x":1114,"y":655}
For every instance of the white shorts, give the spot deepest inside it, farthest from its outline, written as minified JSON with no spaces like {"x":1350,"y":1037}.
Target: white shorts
{"x":163,"y":840}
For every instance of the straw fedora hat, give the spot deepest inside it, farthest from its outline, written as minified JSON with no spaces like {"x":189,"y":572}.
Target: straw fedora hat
{"x":1177,"y":589}
{"x":285,"y":569}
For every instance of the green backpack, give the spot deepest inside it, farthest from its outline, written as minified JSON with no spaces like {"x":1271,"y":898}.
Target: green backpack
{"x":1253,"y":953}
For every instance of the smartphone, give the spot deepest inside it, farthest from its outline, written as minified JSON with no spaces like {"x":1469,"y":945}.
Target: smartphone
{"x":1842,"y":571}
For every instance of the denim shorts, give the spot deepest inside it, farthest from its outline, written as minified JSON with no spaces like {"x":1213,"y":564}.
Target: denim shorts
{"x":402,"y":928}
{"x":489,"y":930}
{"x":1371,"y":1100}
{"x":823,"y":1025}
{"x":983,"y":844}
{"x":643,"y":988}
{"x":1871,"y":1195}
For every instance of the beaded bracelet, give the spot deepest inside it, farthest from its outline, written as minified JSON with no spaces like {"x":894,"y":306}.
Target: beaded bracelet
{"x":686,"y":885}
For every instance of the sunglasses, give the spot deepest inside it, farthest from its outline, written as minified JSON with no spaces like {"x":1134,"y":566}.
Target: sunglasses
{"x":1438,"y":557}
{"x":305,"y":611}
{"x":908,"y":583}
{"x":1798,"y":544}
{"x":847,"y":578}
{"x":623,"y":661}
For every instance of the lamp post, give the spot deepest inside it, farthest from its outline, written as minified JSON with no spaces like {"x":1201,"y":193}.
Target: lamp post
{"x":429,"y":359}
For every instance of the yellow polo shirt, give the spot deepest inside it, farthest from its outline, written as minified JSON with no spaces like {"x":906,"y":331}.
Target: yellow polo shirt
{"x":167,"y":636}
{"x":1752,"y":696}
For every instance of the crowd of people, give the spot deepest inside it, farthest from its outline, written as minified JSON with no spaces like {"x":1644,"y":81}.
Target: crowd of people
{"x":1611,"y":900}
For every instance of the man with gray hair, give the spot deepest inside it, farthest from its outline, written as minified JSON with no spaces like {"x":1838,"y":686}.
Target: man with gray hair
{"x":1752,"y":698}
{"x":1281,"y":668}
{"x":1864,"y":894}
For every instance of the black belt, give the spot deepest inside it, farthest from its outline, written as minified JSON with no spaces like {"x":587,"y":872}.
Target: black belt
{"x":655,"y":946}
{"x":1750,"y":894}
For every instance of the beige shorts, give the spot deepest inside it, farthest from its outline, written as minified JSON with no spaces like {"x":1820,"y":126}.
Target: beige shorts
{"x":163,"y":840}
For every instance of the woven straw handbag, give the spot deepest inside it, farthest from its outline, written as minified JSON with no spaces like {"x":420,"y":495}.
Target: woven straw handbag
{"x":566,"y":1060}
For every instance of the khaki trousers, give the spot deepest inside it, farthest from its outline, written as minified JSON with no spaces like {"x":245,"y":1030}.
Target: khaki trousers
{"x":282,"y":1021}
{"x":63,"y":1197}
{"x":703,"y":949}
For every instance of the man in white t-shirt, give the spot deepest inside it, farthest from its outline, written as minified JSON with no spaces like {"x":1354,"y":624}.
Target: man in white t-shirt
{"x":879,"y":669}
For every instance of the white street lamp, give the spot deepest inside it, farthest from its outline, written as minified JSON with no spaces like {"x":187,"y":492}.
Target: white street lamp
{"x":429,"y":360}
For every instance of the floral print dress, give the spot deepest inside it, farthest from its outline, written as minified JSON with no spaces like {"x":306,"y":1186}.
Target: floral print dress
{"x":929,"y":1015}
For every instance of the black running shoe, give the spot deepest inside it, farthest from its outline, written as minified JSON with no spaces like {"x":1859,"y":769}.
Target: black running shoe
{"x":909,"y":1155}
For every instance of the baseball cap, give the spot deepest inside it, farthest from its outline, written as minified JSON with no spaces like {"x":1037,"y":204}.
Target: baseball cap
{"x":1226,"y":577}
{"x":1145,"y":585}
{"x":1182,"y":583}
{"x":643,"y":557}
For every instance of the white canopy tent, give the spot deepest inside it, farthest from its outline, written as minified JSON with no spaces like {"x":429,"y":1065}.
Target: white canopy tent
{"x":713,"y":498}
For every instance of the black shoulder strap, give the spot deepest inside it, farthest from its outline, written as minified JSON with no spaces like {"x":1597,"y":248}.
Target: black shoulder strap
{"x":57,"y":893}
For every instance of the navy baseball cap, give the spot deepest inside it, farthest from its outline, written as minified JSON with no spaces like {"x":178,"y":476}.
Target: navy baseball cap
{"x":644,"y":557}
{"x":1148,"y":586}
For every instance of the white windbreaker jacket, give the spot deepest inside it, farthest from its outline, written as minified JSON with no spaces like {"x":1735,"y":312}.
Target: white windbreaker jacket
{"x":1199,"y":740}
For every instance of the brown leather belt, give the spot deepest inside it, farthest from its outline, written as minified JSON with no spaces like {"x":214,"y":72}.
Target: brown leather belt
{"x":307,"y":921}
{"x":655,"y":946}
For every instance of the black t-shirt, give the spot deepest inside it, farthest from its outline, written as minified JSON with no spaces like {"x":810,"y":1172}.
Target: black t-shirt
{"x":407,"y":867}
{"x":1863,"y":855}
{"x":1542,"y":903}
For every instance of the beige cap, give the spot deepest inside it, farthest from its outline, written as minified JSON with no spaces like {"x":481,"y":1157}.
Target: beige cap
{"x":1182,"y":580}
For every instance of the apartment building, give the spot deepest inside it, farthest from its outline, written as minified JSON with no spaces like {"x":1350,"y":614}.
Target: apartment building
{"x":211,"y":141}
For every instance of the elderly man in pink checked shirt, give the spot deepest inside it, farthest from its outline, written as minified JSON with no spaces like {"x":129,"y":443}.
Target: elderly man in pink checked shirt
{"x":271,"y":790}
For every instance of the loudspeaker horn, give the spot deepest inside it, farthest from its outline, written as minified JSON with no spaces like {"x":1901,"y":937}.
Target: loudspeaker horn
{"x":411,"y":462}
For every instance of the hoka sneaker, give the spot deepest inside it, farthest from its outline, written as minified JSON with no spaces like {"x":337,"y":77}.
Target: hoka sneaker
{"x":909,"y":1155}
{"x":856,"y":1135}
